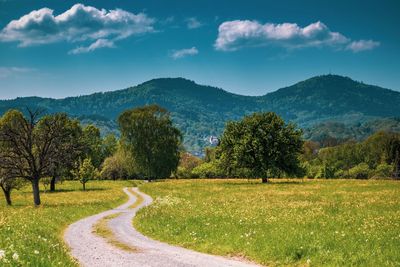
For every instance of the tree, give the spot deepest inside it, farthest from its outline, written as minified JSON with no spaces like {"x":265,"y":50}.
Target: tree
{"x":9,"y":183}
{"x":109,"y":145}
{"x":119,"y":166}
{"x":262,"y":144}
{"x":85,"y":172}
{"x":73,"y":143}
{"x":93,"y":145}
{"x":148,"y":133}
{"x":186,"y":165}
{"x":31,"y":146}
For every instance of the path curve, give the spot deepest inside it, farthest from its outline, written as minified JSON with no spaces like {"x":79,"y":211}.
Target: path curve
{"x":90,"y":249}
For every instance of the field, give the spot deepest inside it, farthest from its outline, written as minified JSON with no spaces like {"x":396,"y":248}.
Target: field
{"x":286,"y":222}
{"x":34,"y":235}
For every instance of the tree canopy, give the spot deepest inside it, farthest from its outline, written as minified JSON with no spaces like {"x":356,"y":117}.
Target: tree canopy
{"x":260,"y":145}
{"x":153,"y":141}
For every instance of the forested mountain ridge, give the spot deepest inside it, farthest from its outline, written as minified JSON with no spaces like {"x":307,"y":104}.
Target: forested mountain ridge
{"x":200,"y":111}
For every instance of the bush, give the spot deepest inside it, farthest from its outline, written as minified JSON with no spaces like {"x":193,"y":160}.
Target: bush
{"x":360,"y":171}
{"x":208,"y":170}
{"x":383,"y":170}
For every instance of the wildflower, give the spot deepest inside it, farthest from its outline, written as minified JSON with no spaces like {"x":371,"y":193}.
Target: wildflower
{"x":308,"y":261}
{"x":15,"y":256}
{"x":2,"y":254}
{"x":36,"y":252}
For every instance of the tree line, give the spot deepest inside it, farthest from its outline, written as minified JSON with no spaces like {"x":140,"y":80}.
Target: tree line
{"x":38,"y":148}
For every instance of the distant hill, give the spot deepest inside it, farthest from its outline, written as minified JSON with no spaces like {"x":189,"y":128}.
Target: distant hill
{"x":200,"y":111}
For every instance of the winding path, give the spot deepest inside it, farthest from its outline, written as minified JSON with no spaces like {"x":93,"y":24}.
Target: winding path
{"x":90,"y":249}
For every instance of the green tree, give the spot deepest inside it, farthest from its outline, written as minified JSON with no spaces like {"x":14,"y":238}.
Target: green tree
{"x":148,"y":133}
{"x":9,"y":183}
{"x":262,"y":144}
{"x":93,"y":144}
{"x":109,"y":145}
{"x":31,"y":147}
{"x":61,"y":166}
{"x":85,"y":172}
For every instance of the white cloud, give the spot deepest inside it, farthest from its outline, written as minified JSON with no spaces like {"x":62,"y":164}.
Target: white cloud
{"x":184,"y":52}
{"x":362,"y":45}
{"x":79,"y":23}
{"x":193,"y":23}
{"x":233,"y":35}
{"x":100,"y":43}
{"x":6,"y":72}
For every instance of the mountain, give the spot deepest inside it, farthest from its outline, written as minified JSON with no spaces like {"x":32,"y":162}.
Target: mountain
{"x":333,"y":97}
{"x":200,"y":111}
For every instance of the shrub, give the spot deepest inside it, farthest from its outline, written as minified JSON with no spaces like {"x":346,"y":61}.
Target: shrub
{"x":383,"y":170}
{"x":360,"y":171}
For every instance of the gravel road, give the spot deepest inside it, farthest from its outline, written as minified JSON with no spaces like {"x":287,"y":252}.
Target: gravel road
{"x":90,"y":249}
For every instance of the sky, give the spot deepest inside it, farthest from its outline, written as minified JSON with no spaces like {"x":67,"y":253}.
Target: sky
{"x":68,"y":48}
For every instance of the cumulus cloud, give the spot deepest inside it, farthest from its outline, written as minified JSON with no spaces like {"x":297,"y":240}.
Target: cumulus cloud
{"x":193,"y":23}
{"x":362,"y":45}
{"x":78,"y":24}
{"x":233,"y":35}
{"x":184,"y":53}
{"x":6,"y":72}
{"x":100,"y":43}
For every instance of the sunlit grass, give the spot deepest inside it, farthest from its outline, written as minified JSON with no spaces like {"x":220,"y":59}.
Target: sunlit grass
{"x":102,"y":229}
{"x":287,"y":222}
{"x":35,"y":234}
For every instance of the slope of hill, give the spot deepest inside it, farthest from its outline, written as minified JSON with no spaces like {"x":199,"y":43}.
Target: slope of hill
{"x":200,"y":111}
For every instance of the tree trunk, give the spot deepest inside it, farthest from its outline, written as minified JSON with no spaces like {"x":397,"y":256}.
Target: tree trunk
{"x":53,"y":184}
{"x":36,"y":193}
{"x":84,"y":186}
{"x":7,"y":195}
{"x":264,"y":180}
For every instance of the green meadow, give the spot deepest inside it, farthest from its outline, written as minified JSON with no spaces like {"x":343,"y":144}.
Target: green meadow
{"x":286,"y":222}
{"x":32,"y":236}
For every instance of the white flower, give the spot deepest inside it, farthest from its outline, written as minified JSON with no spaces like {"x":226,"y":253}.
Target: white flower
{"x":2,"y":254}
{"x":36,"y":252}
{"x":15,"y":256}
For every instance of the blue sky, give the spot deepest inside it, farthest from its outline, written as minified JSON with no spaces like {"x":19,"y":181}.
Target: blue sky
{"x":66,"y":48}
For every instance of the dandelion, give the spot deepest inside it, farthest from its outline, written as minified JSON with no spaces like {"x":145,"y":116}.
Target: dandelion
{"x":15,"y":256}
{"x":36,"y":252}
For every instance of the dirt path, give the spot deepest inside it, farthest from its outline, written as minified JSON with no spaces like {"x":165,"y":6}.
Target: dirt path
{"x":91,"y":250}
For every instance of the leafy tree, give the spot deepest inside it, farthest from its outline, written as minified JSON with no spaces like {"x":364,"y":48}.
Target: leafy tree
{"x":109,"y":145}
{"x":85,"y":172}
{"x":73,"y":144}
{"x":153,"y":141}
{"x":119,"y":166}
{"x":262,"y":144}
{"x":93,"y":144}
{"x":209,"y":154}
{"x":31,"y":146}
{"x":9,"y":183}
{"x":186,"y":165}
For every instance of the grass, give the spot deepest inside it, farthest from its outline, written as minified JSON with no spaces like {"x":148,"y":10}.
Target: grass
{"x":139,"y":198}
{"x":286,"y":222}
{"x":102,"y":229}
{"x":35,"y":234}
